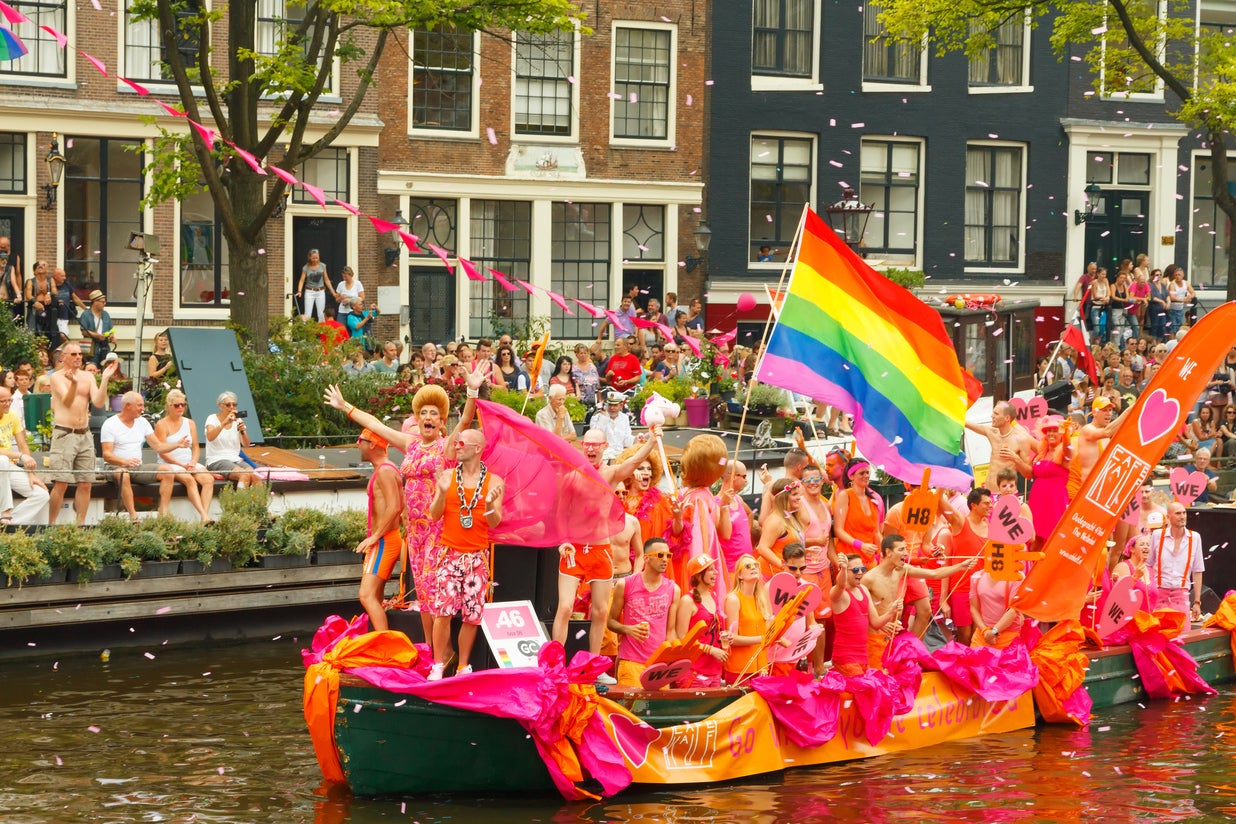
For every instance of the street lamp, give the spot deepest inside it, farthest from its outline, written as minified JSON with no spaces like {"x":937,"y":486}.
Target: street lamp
{"x":1093,"y":192}
{"x":848,"y":218}
{"x":392,"y":253}
{"x":55,"y":171}
{"x":703,"y":239}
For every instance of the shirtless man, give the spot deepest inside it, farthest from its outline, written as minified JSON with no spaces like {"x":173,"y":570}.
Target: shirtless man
{"x":71,"y":454}
{"x":1010,"y":442}
{"x":889,"y":580}
{"x":1090,"y":440}
{"x":594,"y":445}
{"x":384,"y":545}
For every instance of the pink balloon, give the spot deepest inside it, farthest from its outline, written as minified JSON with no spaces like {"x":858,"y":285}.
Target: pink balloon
{"x":746,"y":302}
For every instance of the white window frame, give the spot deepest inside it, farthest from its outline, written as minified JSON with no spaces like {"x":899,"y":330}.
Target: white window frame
{"x":895,"y":88}
{"x":1195,"y":156}
{"x":916,"y":262}
{"x":69,"y":80}
{"x":573,"y":136}
{"x":449,"y":134}
{"x":776,"y":83}
{"x":1149,"y":97}
{"x":777,"y":266}
{"x":1025,"y":86}
{"x":1019,"y":266}
{"x":124,"y":70}
{"x":331,"y":92}
{"x":671,"y":129}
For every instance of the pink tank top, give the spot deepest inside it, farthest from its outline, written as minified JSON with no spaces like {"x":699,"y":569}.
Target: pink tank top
{"x":739,"y":543}
{"x":706,"y":665}
{"x":818,"y":526}
{"x":639,"y":605}
{"x":850,"y":642}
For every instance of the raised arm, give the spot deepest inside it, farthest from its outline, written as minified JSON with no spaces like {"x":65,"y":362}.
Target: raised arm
{"x":333,"y":397}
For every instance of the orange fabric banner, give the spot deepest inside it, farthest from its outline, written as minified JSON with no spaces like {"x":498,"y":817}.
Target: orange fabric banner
{"x":1057,"y":585}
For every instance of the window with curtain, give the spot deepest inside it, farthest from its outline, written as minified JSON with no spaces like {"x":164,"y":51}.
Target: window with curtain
{"x":328,"y":170}
{"x":102,"y":205}
{"x":781,"y":176}
{"x":642,"y":83}
{"x":891,"y":173}
{"x":782,"y":34}
{"x":993,"y":205}
{"x":1211,"y":237}
{"x":442,"y":74}
{"x":543,"y":97}
{"x":12,"y":163}
{"x":884,"y":59}
{"x":145,"y":52}
{"x":1123,"y":71}
{"x":276,"y":20}
{"x":204,"y":279}
{"x":1003,"y":64}
{"x":45,"y":57}
{"x":502,"y":240}
{"x":580,"y":263}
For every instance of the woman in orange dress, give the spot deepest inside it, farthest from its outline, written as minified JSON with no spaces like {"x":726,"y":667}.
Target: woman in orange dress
{"x":858,"y":514}
{"x":748,"y":611}
{"x":782,"y":526}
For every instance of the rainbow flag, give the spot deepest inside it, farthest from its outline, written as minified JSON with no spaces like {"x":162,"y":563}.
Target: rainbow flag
{"x":848,"y":336}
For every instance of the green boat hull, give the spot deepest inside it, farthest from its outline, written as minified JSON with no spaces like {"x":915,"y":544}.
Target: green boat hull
{"x":1113,"y":678}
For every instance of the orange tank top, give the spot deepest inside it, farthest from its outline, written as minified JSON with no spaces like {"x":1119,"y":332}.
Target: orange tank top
{"x":750,"y":622}
{"x":455,"y":535}
{"x":861,"y":525}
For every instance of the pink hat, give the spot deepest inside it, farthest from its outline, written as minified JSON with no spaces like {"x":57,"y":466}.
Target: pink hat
{"x":1049,"y":422}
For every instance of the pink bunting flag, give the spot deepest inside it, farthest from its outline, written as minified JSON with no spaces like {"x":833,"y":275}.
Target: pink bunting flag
{"x":528,"y":287}
{"x":173,"y":111}
{"x":249,"y":158}
{"x":562,"y":304}
{"x":283,"y":174}
{"x":315,"y":193}
{"x":728,"y":337}
{"x":470,"y":270}
{"x":14,"y":16}
{"x":589,"y":308}
{"x":665,"y":330}
{"x":692,"y":344}
{"x":208,"y":135}
{"x":442,"y":256}
{"x":613,"y":318}
{"x":502,"y":281}
{"x":347,"y":206}
{"x":61,"y":38}
{"x":137,"y":87}
{"x":96,"y":62}
{"x":410,"y":240}
{"x":381,"y":225}
{"x":644,"y":323}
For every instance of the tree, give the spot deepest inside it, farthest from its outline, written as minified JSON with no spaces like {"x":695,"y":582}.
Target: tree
{"x":264,"y":101}
{"x":1127,"y":43}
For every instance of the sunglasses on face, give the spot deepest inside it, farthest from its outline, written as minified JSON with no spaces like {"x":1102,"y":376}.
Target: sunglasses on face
{"x":858,"y":570}
{"x":178,"y":406}
{"x":661,"y":555}
{"x":796,"y":568}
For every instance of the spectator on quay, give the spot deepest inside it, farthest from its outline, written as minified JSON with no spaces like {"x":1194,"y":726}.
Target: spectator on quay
{"x":388,"y":364}
{"x":1139,"y":297}
{"x":1203,"y":431}
{"x":623,"y":323}
{"x":1201,"y":463}
{"x":508,"y":371}
{"x":1100,"y":303}
{"x":695,"y":318}
{"x":335,"y":334}
{"x":1180,"y":297}
{"x":531,"y":379}
{"x":225,"y":437}
{"x":452,"y":370}
{"x":122,"y":438}
{"x":68,"y":304}
{"x":1227,"y":430}
{"x":11,"y":289}
{"x":429,"y":354}
{"x":656,"y":355}
{"x":313,"y":285}
{"x":1156,"y":309}
{"x":623,"y":370}
{"x":1081,"y":292}
{"x":1119,"y":316}
{"x":160,"y":361}
{"x":356,"y":364}
{"x":655,"y":315}
{"x":554,"y":416}
{"x":41,"y":299}
{"x":584,"y":373}
{"x":351,"y":296}
{"x":96,"y":325}
{"x":1127,"y":387}
{"x":452,"y":347}
{"x":562,"y":376}
{"x":17,"y":475}
{"x":671,"y":366}
{"x":180,"y":433}
{"x":361,"y":323}
{"x":1219,"y":388}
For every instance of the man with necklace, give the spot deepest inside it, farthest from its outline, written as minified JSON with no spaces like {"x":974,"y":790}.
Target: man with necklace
{"x":1011,"y":444}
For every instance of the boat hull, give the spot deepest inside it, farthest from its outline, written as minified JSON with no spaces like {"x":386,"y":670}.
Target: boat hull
{"x":1113,"y":678}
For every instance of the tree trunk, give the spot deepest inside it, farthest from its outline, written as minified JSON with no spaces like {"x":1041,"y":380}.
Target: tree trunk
{"x":248,"y":265}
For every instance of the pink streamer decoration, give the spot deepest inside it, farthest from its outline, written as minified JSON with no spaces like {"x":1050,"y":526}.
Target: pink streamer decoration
{"x":502,"y":281}
{"x":249,"y":158}
{"x":470,"y":270}
{"x":315,"y":193}
{"x":208,"y":135}
{"x":347,"y":206}
{"x":96,"y":62}
{"x":562,"y":304}
{"x":589,"y":308}
{"x":528,"y":287}
{"x":728,"y":337}
{"x":442,"y":256}
{"x":173,"y":111}
{"x":283,"y":174}
{"x":137,"y":87}
{"x":613,"y":318}
{"x":61,"y":38}
{"x":410,"y":240}
{"x":381,"y":225}
{"x":665,"y":330}
{"x":692,"y":344}
{"x":14,"y":16}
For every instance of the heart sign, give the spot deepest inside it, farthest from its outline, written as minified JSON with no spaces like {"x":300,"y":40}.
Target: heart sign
{"x":633,"y":737}
{"x":1158,"y":416}
{"x":660,"y":676}
{"x":686,"y":647}
{"x":1122,"y":604}
{"x":1133,"y":514}
{"x":920,"y":507}
{"x":1006,"y":525}
{"x":782,"y":588}
{"x":1027,"y":412}
{"x":799,"y":643}
{"x":1186,"y":485}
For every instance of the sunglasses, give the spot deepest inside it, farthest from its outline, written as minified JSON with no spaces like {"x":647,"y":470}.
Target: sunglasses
{"x":177,"y":406}
{"x":658,"y":554}
{"x":858,"y":570}
{"x":813,"y":481}
{"x":795,"y":568}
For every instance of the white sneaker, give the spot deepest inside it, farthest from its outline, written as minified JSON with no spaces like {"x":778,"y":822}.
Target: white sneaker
{"x":464,"y":670}
{"x":435,"y":674}
{"x":606,"y":679}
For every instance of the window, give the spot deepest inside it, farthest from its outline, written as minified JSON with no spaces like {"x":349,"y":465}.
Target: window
{"x":580,"y":265}
{"x":1125,"y":168}
{"x":502,"y":240}
{"x":643,"y":232}
{"x":145,"y":53}
{"x":102,"y":205}
{"x":781,"y":178}
{"x":1214,"y":44}
{"x":783,"y":38}
{"x":993,"y":205}
{"x":329,"y":171}
{"x":276,"y":21}
{"x":1003,"y":64}
{"x":431,"y":287}
{"x":45,"y":57}
{"x":886,"y":60}
{"x":12,"y":163}
{"x":642,"y":73}
{"x":890,"y":179}
{"x":1211,"y":239}
{"x":544,"y":66}
{"x":1124,"y":73}
{"x":442,"y":76}
{"x":204,"y":279}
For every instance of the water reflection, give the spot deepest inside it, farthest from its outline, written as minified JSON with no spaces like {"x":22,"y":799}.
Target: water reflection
{"x":216,"y":735}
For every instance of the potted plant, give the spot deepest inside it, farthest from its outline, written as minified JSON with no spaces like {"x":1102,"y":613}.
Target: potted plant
{"x":21,"y":562}
{"x":764,"y":400}
{"x":73,"y":549}
{"x":197,"y":548}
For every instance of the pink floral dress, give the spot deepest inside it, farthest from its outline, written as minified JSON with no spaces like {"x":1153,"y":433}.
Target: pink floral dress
{"x":420,"y":469}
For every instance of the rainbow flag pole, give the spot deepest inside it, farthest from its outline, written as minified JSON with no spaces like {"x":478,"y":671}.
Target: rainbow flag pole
{"x":849,"y":337}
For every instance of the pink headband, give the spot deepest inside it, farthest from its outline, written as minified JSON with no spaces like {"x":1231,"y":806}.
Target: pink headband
{"x":854,"y":467}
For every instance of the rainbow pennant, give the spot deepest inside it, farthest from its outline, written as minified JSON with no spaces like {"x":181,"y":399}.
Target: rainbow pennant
{"x":849,"y":337}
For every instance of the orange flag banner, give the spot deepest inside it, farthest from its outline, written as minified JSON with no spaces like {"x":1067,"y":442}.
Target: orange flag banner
{"x":1057,"y":585}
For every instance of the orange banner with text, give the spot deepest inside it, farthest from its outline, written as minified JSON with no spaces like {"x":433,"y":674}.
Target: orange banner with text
{"x":743,"y":739}
{"x":1057,"y":585}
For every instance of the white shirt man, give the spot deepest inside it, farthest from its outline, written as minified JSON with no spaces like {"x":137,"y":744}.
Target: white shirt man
{"x":17,"y":471}
{"x":1175,"y":558}
{"x":615,"y":425}
{"x":121,"y":438}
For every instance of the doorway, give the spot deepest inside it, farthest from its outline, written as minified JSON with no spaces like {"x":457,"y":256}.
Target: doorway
{"x":329,"y":235}
{"x":1118,"y":228}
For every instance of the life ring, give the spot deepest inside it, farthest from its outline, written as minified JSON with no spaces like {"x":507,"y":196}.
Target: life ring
{"x":974,"y":301}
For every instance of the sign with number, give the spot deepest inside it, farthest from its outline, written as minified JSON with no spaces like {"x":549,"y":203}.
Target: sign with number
{"x":1005,"y":562}
{"x":514,"y":634}
{"x":921,"y":506}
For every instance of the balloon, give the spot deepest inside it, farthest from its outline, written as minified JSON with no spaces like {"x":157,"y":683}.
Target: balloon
{"x":746,"y":302}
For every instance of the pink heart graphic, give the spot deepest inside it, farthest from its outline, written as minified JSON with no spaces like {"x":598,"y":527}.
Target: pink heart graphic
{"x":660,"y":676}
{"x":1121,"y":604}
{"x":633,"y":738}
{"x":1027,"y":412}
{"x":782,"y":588}
{"x":1133,"y":514}
{"x":800,"y":643}
{"x":1186,"y":485}
{"x":1006,"y":525}
{"x":1158,"y":416}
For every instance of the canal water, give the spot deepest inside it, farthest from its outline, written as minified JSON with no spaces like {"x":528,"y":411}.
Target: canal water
{"x":216,"y":735}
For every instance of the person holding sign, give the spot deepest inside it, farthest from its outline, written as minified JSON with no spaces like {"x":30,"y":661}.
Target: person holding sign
{"x":783,"y":654}
{"x":642,"y":611}
{"x":781,"y":527}
{"x":700,"y":606}
{"x":1049,"y":493}
{"x":855,"y":616}
{"x":891,"y":580}
{"x":1175,"y":558}
{"x":965,"y":540}
{"x":748,"y":610}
